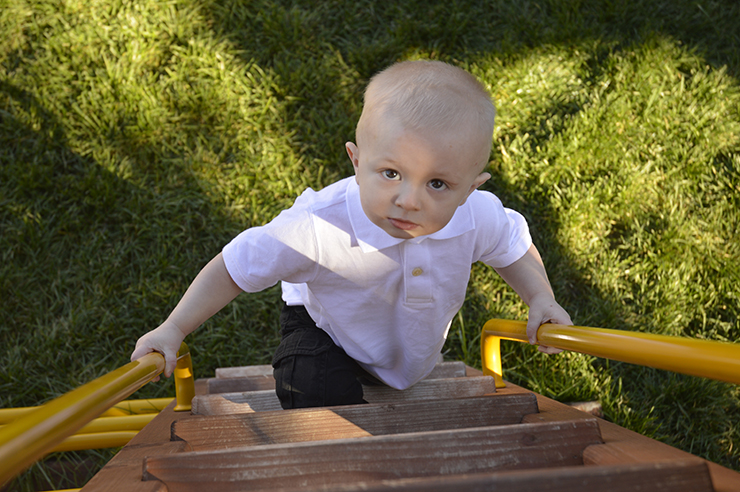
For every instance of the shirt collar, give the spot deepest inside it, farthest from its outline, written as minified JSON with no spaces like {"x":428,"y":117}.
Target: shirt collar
{"x":372,"y":238}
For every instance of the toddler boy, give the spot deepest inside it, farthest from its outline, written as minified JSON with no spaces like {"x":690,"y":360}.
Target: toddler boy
{"x":375,"y":266}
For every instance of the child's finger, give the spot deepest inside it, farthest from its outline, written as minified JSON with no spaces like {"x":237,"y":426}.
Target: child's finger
{"x":532,"y":328}
{"x":549,"y":350}
{"x":140,"y":352}
{"x":170,"y":364}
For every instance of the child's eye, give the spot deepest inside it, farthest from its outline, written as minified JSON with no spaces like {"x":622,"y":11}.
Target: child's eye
{"x":390,"y":174}
{"x":437,"y":184}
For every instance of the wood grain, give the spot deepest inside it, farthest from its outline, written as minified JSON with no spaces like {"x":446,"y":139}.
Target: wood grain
{"x":443,"y":370}
{"x":469,"y":459}
{"x":222,"y":432}
{"x":684,"y":476}
{"x":421,"y":454}
{"x":428,"y":389}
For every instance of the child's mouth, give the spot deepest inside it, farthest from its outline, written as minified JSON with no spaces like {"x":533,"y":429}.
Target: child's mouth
{"x":404,"y":225}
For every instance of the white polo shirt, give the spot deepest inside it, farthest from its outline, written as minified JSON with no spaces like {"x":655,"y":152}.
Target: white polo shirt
{"x":387,"y":302}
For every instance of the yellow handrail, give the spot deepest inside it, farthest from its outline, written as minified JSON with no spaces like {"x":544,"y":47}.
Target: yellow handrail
{"x":184,"y":381}
{"x":100,"y":440}
{"x":138,"y":407}
{"x":151,"y":406}
{"x":36,"y":433}
{"x":113,"y":424}
{"x":704,"y":358}
{"x":105,"y":432}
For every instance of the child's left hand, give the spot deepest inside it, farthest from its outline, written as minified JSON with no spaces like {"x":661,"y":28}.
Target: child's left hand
{"x":544,"y":309}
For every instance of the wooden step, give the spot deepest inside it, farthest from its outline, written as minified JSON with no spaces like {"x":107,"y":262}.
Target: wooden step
{"x":244,"y":371}
{"x":236,"y":385}
{"x":443,"y":370}
{"x":428,"y":389}
{"x":684,"y":476}
{"x":315,"y":424}
{"x":256,"y":378}
{"x":401,"y":455}
{"x":374,"y":459}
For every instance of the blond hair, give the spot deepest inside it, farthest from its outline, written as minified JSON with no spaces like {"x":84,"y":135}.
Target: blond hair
{"x":428,"y":95}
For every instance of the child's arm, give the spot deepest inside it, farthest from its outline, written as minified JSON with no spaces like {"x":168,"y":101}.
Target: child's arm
{"x":528,"y":278}
{"x":211,"y":290}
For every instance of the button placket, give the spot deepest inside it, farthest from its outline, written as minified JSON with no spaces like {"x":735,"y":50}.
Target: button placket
{"x":416,"y":272}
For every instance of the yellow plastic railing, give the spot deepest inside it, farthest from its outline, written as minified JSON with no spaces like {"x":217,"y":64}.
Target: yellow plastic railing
{"x":150,"y":406}
{"x":40,"y":430}
{"x":105,"y":432}
{"x":704,"y":358}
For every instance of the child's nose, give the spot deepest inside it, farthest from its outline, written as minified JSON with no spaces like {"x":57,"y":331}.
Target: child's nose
{"x":408,"y":198}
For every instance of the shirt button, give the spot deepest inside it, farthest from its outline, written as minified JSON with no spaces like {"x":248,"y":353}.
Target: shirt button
{"x":417,"y":271}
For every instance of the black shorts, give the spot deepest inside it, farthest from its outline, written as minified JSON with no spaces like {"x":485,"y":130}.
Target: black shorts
{"x":310,"y":369}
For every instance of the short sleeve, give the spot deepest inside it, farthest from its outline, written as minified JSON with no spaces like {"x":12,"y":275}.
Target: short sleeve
{"x":502,"y":234}
{"x":283,"y":249}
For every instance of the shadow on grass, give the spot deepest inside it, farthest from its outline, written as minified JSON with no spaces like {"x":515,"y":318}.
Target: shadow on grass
{"x":53,"y":202}
{"x":103,"y":258}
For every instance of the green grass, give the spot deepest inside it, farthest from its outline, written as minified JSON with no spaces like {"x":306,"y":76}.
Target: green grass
{"x":137,"y":138}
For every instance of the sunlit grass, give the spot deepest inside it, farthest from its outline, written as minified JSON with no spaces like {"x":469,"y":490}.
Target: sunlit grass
{"x":137,"y":138}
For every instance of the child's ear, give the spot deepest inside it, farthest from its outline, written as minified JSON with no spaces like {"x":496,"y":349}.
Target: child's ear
{"x":479,"y":180}
{"x":354,"y":154}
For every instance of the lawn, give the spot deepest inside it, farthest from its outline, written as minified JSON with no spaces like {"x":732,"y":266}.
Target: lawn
{"x":137,"y":138}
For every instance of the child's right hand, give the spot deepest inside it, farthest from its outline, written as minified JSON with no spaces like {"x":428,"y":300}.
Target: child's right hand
{"x":211,"y":290}
{"x":165,"y":339}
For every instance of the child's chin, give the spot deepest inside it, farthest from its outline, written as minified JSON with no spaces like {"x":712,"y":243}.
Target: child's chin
{"x":399,"y":233}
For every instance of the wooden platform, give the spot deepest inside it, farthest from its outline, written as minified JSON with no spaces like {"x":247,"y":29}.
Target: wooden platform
{"x":450,"y":432}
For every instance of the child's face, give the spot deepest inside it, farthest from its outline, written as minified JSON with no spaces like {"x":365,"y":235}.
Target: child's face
{"x":412,"y":183}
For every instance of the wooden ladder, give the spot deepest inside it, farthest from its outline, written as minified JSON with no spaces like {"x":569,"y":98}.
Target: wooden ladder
{"x":451,"y":432}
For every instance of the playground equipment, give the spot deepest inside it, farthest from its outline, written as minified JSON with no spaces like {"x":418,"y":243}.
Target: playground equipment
{"x":67,"y":423}
{"x":459,"y":429}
